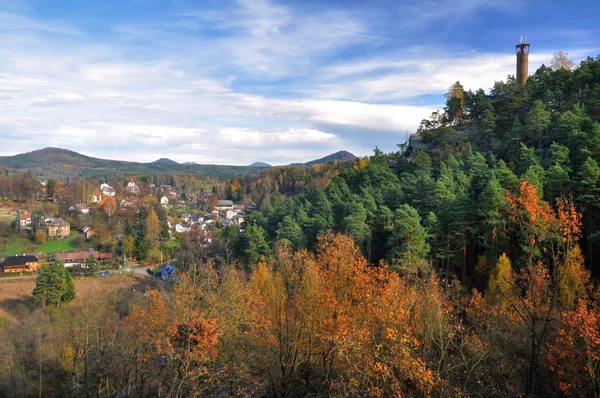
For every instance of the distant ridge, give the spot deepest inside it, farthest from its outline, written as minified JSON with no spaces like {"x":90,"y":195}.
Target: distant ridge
{"x":165,"y":161}
{"x":190,"y":163}
{"x":57,"y":162}
{"x":260,"y":164}
{"x":341,"y":156}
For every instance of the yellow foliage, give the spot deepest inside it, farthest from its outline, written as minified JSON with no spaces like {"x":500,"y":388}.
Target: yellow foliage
{"x":573,"y":278}
{"x":500,"y":282}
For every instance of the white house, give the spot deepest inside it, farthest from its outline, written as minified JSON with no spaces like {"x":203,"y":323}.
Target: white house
{"x":132,"y":188}
{"x":25,"y":221}
{"x":107,"y":190}
{"x":229,"y":214}
{"x":164,"y":201}
{"x":180,"y":228}
{"x":80,"y":208}
{"x":126,"y":203}
{"x":97,"y":197}
{"x":224,"y":205}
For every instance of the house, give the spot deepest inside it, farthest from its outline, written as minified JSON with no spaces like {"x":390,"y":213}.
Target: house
{"x":186,"y":217}
{"x":87,"y":232}
{"x":58,"y":228}
{"x":80,"y":208}
{"x":97,"y":197}
{"x":197,"y":219}
{"x":164,"y":201}
{"x":107,"y":190}
{"x":229,"y":214}
{"x":79,"y":258}
{"x":132,"y":188}
{"x":225,"y":221}
{"x":181,"y":228}
{"x":25,"y":221}
{"x":24,"y":263}
{"x":130,"y":201}
{"x":224,"y":205}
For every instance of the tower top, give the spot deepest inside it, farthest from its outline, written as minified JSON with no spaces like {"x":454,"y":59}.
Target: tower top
{"x":523,"y":39}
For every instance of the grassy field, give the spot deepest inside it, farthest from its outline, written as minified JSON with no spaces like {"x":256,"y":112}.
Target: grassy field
{"x":15,"y":294}
{"x":13,"y":245}
{"x":7,"y":214}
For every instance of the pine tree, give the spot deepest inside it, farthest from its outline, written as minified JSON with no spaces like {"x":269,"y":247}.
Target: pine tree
{"x":42,"y":286}
{"x":409,"y":248}
{"x":69,"y":292}
{"x":18,"y":220}
{"x":53,"y":285}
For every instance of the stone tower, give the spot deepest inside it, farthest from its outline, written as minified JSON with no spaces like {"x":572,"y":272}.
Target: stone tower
{"x":522,"y":61}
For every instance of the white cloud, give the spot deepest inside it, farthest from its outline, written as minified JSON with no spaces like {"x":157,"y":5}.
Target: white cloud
{"x":263,"y":88}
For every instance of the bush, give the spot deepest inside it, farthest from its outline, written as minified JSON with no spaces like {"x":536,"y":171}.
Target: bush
{"x":40,"y":236}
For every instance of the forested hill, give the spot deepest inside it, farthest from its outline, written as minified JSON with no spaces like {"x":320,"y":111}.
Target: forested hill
{"x":448,"y":200}
{"x":61,"y":163}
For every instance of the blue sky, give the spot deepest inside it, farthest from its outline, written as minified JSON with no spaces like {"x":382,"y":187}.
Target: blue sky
{"x":233,"y":82}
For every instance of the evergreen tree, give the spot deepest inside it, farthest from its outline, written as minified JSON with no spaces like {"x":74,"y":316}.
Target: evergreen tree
{"x":254,"y":246}
{"x":18,"y":220}
{"x":291,"y":232}
{"x":408,"y":244}
{"x":69,"y":292}
{"x":128,"y":230}
{"x":53,"y":285}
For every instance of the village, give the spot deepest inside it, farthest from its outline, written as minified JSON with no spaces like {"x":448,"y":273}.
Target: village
{"x":105,"y":229}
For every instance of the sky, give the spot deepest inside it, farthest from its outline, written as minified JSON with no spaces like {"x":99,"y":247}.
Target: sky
{"x":234,"y":82}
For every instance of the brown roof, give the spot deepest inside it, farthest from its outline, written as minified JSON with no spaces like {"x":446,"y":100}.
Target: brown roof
{"x":82,"y":256}
{"x":59,"y":221}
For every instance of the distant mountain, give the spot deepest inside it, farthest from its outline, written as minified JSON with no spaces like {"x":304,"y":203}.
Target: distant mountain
{"x":165,"y":161}
{"x":190,"y":163}
{"x":60,"y":163}
{"x":341,"y":156}
{"x":260,"y":164}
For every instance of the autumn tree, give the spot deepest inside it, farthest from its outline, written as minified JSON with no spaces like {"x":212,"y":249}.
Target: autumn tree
{"x":573,"y":278}
{"x":574,"y":355}
{"x":152,"y":229}
{"x":560,"y":60}
{"x":40,"y":236}
{"x":455,"y":104}
{"x":500,"y":283}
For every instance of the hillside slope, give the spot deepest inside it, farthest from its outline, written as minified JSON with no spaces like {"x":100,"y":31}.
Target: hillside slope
{"x":57,"y":162}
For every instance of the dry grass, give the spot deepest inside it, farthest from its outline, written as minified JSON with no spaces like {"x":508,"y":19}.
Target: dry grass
{"x":7,"y":214}
{"x":15,"y":293}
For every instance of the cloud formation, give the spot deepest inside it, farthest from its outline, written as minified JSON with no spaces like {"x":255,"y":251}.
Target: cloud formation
{"x":248,"y":81}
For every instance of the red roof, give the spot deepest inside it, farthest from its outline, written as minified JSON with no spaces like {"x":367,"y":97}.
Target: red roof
{"x":25,"y":217}
{"x":82,"y":256}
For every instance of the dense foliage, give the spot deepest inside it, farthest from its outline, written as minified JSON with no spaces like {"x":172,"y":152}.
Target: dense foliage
{"x":457,"y":266}
{"x":440,"y":200}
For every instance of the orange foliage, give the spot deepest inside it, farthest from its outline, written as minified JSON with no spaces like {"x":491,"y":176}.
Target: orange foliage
{"x":574,"y":356}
